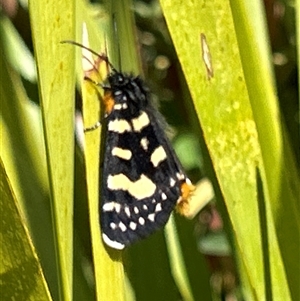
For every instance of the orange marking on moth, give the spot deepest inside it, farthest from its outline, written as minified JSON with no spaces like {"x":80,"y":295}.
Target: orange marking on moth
{"x":183,"y":205}
{"x":108,"y":102}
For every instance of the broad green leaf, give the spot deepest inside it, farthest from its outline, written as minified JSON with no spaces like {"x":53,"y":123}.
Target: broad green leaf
{"x":207,"y":46}
{"x":21,"y":275}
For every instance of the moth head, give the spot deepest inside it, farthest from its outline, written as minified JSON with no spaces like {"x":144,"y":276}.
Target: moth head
{"x":130,"y":89}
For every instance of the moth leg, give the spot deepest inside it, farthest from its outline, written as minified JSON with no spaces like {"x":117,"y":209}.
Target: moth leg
{"x":99,"y":122}
{"x":93,"y":127}
{"x":103,"y":86}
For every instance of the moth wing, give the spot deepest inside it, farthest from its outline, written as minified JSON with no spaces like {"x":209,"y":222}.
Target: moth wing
{"x":141,"y":179}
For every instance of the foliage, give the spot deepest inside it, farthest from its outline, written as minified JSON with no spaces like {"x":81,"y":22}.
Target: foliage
{"x":49,"y":190}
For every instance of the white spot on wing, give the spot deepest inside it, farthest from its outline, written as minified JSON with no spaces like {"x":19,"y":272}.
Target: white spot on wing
{"x":119,"y":126}
{"x":141,"y":221}
{"x":111,"y":206}
{"x":132,"y":226}
{"x":118,"y":207}
{"x":179,"y":176}
{"x":127,"y":211}
{"x":113,"y":226}
{"x":136,"y":209}
{"x":151,"y":217}
{"x":108,"y":206}
{"x":172,"y":182}
{"x":121,"y":153}
{"x":112,"y":243}
{"x":158,"y":207}
{"x":158,"y":156}
{"x":122,"y":227}
{"x":140,"y":189}
{"x":163,"y":196}
{"x":140,"y":122}
{"x":144,"y":143}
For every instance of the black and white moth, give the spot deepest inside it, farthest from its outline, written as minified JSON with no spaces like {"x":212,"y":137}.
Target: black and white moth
{"x":142,"y":178}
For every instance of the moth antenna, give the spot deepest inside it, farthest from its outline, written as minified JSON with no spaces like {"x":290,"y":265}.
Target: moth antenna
{"x":102,"y":57}
{"x":106,"y":52}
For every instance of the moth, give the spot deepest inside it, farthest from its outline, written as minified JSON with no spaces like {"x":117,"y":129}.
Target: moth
{"x":142,"y":179}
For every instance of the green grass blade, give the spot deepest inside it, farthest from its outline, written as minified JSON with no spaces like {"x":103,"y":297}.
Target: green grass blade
{"x":281,"y":177}
{"x":56,"y":81}
{"x":177,"y":264}
{"x":23,"y":155}
{"x":108,"y":266}
{"x":231,"y":132}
